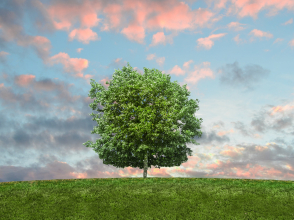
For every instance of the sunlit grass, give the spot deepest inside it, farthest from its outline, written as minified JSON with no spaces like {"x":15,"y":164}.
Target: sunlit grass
{"x":149,"y":198}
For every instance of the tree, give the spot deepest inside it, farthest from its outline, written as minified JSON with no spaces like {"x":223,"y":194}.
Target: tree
{"x":139,"y":125}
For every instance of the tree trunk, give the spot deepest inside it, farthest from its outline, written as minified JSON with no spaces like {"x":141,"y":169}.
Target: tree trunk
{"x":145,"y":165}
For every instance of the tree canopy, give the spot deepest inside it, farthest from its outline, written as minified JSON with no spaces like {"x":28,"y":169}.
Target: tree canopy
{"x":140,"y":122}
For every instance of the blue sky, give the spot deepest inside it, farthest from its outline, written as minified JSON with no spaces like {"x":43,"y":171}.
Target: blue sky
{"x":236,"y":58}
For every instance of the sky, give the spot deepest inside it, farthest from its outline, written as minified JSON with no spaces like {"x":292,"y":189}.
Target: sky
{"x":236,"y":57}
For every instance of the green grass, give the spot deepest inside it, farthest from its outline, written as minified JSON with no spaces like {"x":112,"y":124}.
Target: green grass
{"x":149,"y":198}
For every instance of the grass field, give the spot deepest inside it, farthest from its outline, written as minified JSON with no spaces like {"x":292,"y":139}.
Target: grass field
{"x":149,"y":198}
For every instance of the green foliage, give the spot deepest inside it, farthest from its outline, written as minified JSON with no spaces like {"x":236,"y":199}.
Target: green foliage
{"x":140,"y":117}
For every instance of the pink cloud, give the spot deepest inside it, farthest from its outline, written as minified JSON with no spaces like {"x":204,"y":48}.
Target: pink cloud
{"x":176,"y":70}
{"x":236,"y":26}
{"x":90,"y":20}
{"x":259,"y":33}
{"x":198,"y":74}
{"x":70,"y":64}
{"x":24,"y":80}
{"x":63,"y":18}
{"x":83,"y":35}
{"x":207,"y":43}
{"x":288,"y":22}
{"x":79,"y":50}
{"x":133,"y":17}
{"x":160,"y":38}
{"x":172,"y":15}
{"x":134,"y":32}
{"x":193,"y":76}
{"x":251,"y":8}
{"x":159,"y":60}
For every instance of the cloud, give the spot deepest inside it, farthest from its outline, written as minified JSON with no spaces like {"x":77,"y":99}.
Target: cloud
{"x":233,"y":76}
{"x":51,"y":142}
